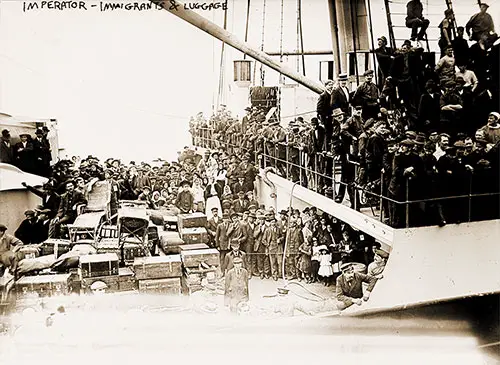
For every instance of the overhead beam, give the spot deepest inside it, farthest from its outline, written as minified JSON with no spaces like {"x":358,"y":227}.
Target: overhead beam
{"x":298,"y":53}
{"x":214,"y":30}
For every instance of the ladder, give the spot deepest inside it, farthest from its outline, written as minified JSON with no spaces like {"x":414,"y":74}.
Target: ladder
{"x":396,"y":21}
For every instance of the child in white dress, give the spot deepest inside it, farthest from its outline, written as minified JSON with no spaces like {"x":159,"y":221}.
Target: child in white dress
{"x":325,"y":266}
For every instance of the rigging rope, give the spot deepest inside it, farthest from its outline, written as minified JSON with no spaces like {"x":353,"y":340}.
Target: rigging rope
{"x":221,"y":74}
{"x":246,"y":26}
{"x":262,"y":42}
{"x":299,"y":19}
{"x":282,"y":78}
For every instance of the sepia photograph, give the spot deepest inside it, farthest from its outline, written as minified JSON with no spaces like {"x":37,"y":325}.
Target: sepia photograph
{"x":249,"y":182}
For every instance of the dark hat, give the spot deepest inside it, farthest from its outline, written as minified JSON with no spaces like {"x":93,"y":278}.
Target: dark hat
{"x":314,"y":120}
{"x":270,"y":217}
{"x":382,"y":38}
{"x":241,"y":193}
{"x":252,"y":206}
{"x":411,"y":134}
{"x":252,"y":215}
{"x":225,"y":215}
{"x":214,"y":208}
{"x":407,"y":142}
{"x":29,"y":212}
{"x":237,"y":260}
{"x":347,"y":266}
{"x":430,"y":84}
{"x":407,"y":43}
{"x":459,"y":144}
{"x":430,"y":146}
{"x":306,"y":209}
{"x":484,"y":4}
{"x":226,"y":203}
{"x":184,"y":183}
{"x":248,"y":108}
{"x":25,"y":134}
{"x":5,"y":133}
{"x":368,"y":72}
{"x":342,"y":77}
{"x":233,"y":213}
{"x":45,"y":128}
{"x":3,"y":228}
{"x":38,"y":131}
{"x":337,"y":112}
{"x":283,"y":291}
{"x":234,"y":242}
{"x":284,"y":212}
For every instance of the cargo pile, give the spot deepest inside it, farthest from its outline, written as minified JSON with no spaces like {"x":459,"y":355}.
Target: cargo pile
{"x":178,"y":261}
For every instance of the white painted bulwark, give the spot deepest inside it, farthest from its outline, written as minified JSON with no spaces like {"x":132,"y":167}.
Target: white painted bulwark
{"x":432,"y":264}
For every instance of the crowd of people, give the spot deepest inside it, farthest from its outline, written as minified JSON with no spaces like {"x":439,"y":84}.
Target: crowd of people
{"x":424,"y":134}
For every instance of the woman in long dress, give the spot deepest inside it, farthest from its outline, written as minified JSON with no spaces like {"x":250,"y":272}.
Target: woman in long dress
{"x":212,"y":195}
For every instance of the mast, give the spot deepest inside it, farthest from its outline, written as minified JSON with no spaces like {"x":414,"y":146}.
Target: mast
{"x":225,"y":36}
{"x":334,"y":27}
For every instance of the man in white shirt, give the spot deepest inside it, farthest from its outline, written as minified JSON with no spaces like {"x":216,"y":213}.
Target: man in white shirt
{"x":469,"y":77}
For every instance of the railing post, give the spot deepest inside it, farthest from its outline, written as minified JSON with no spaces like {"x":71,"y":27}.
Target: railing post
{"x":407,"y":205}
{"x":300,"y":166}
{"x":334,"y":193}
{"x":381,"y":195}
{"x":355,"y":187}
{"x":470,"y":197}
{"x":287,"y":161}
{"x":315,"y":172}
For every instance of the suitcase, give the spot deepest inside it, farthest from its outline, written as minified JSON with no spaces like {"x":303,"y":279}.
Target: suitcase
{"x":170,"y":223}
{"x":170,"y":242}
{"x":109,"y":245}
{"x":193,"y":258}
{"x":124,"y":281}
{"x":157,"y":267}
{"x":43,"y":285}
{"x":161,"y":286}
{"x":99,"y":265}
{"x":194,"y":246}
{"x":55,"y":246}
{"x":194,"y":235}
{"x":191,"y":220}
{"x":109,"y":232}
{"x":131,"y":251}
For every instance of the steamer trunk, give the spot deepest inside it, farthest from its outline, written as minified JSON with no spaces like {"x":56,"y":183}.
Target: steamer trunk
{"x":194,"y":235}
{"x":157,"y":267}
{"x":99,"y":265}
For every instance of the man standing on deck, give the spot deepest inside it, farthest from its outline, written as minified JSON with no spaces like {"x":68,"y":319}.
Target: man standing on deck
{"x":272,"y":240}
{"x":185,"y":199}
{"x":324,"y":111}
{"x":222,"y":240}
{"x":236,"y":285}
{"x":350,"y":286}
{"x":367,"y":96}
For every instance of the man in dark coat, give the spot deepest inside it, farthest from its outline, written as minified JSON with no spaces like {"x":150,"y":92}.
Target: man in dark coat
{"x":367,"y":95}
{"x":272,"y":239}
{"x":350,"y":287}
{"x":23,"y":153}
{"x":248,"y":227}
{"x":247,"y":170}
{"x":67,"y":209}
{"x":6,"y":150}
{"x":233,"y":254}
{"x":415,"y":20}
{"x":324,"y":109}
{"x":212,"y":224}
{"x":41,"y":152}
{"x":236,"y":286}
{"x":376,"y":148}
{"x":241,"y":204}
{"x":340,"y":96}
{"x":30,"y":231}
{"x":460,"y":48}
{"x":185,"y":199}
{"x":222,"y":240}
{"x":481,"y":24}
{"x":429,"y":108}
{"x":384,"y":56}
{"x":294,"y":239}
{"x":407,"y":166}
{"x":50,"y":199}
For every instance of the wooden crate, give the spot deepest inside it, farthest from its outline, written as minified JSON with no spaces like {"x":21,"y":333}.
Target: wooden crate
{"x":43,"y":285}
{"x":131,"y":251}
{"x":194,"y":235}
{"x":109,"y":231}
{"x":191,"y":220}
{"x":55,"y":246}
{"x":109,"y":245}
{"x":124,"y":281}
{"x":193,"y":258}
{"x":103,"y":264}
{"x":170,"y":223}
{"x":161,"y":286}
{"x":157,"y":267}
{"x":194,"y":246}
{"x":28,"y":252}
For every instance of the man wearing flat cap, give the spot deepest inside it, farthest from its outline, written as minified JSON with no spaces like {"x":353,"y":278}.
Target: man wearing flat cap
{"x":367,"y":95}
{"x":236,"y":285}
{"x":350,"y":286}
{"x":185,"y":199}
{"x":272,"y":239}
{"x":222,"y":239}
{"x":212,"y":224}
{"x":384,"y":56}
{"x":233,"y":254}
{"x":9,"y":245}
{"x":66,"y":213}
{"x":480,"y":25}
{"x":30,"y":231}
{"x":23,"y":153}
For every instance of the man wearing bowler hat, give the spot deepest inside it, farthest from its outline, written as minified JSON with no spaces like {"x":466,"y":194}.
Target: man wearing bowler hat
{"x":350,"y":286}
{"x":233,"y":254}
{"x":324,"y":109}
{"x":222,"y":239}
{"x":6,"y":149}
{"x":341,"y":97}
{"x":41,"y":152}
{"x":367,"y":95}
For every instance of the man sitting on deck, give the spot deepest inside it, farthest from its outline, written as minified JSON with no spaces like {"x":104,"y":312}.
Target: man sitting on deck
{"x":350,"y":286}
